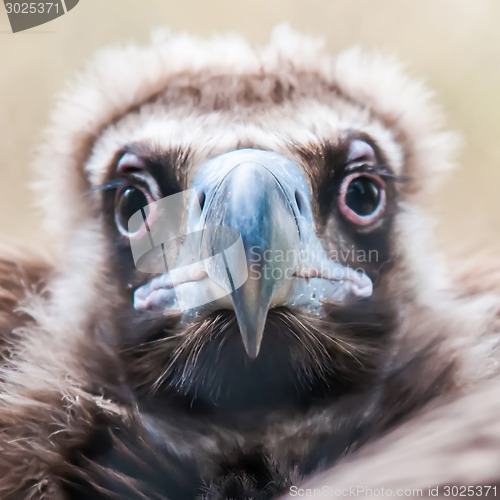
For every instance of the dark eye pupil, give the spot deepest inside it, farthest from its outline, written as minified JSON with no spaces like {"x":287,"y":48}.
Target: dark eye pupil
{"x":130,"y":202}
{"x":362,"y":196}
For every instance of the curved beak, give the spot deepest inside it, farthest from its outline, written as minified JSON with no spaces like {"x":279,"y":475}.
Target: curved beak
{"x":280,"y":262}
{"x":251,"y":199}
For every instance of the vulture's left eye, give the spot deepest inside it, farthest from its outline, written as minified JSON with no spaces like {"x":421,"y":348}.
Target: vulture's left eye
{"x":362,"y":198}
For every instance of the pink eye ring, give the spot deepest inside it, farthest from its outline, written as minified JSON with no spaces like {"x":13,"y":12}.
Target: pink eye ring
{"x":362,"y":198}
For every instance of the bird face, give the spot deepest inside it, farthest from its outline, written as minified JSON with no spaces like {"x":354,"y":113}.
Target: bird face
{"x":248,"y":267}
{"x":252,"y":245}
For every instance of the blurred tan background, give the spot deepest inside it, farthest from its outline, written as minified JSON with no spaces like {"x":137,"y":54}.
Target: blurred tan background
{"x":453,"y":44}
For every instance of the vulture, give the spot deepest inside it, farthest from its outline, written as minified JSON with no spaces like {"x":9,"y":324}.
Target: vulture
{"x":244,"y":299}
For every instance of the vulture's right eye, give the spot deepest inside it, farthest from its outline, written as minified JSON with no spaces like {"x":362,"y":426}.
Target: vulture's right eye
{"x":128,"y":201}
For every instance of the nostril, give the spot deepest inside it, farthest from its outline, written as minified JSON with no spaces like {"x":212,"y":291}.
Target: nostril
{"x":300,"y":202}
{"x":201,"y":199}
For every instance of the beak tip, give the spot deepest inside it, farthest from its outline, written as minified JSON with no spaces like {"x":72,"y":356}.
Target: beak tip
{"x":251,"y":316}
{"x":252,"y":354}
{"x":251,"y":343}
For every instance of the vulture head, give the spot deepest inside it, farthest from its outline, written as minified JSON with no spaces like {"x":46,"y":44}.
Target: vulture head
{"x":250,"y":212}
{"x":243,"y":256}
